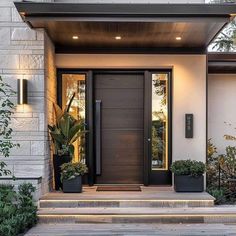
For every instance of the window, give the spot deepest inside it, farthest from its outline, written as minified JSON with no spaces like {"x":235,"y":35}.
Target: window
{"x":76,"y":83}
{"x":160,"y":121}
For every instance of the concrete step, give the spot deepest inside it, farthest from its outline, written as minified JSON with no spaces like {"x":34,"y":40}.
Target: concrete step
{"x":112,"y":203}
{"x":138,"y":215}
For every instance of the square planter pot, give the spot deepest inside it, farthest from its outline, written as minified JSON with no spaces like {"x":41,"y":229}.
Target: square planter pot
{"x":187,"y":183}
{"x":73,"y":185}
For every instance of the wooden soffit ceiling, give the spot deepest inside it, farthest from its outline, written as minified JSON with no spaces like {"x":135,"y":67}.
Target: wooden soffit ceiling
{"x":143,"y":28}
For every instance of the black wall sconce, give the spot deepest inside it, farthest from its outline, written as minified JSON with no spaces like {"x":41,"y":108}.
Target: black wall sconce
{"x":22,"y":97}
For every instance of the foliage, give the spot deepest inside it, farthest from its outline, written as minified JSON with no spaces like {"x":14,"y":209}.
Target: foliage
{"x":220,"y":170}
{"x":222,"y":1}
{"x":160,"y":89}
{"x":188,"y":167}
{"x":225,"y":41}
{"x":66,"y":130}
{"x":71,"y":170}
{"x":6,"y":111}
{"x":158,"y":145}
{"x":212,"y":165}
{"x":218,"y":194}
{"x":228,"y":162}
{"x":17,"y":209}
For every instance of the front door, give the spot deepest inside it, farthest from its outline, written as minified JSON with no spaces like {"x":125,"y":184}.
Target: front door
{"x":119,"y":99}
{"x":128,"y":115}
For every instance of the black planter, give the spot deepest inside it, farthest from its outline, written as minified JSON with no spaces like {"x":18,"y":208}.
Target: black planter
{"x":57,"y":162}
{"x":73,"y":185}
{"x":187,"y":183}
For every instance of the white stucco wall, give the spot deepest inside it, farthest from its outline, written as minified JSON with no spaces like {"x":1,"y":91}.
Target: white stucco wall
{"x":221,"y":109}
{"x":189,"y":91}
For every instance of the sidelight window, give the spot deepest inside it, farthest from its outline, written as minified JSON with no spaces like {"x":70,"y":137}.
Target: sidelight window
{"x":76,"y":83}
{"x":160,"y":121}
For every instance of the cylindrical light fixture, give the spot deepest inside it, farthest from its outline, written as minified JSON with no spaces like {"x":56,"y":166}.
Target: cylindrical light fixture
{"x":22,"y":91}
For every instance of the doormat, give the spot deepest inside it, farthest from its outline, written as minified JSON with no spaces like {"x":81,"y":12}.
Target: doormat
{"x":119,"y":188}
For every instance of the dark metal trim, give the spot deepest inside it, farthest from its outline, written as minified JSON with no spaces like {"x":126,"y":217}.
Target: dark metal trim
{"x":222,"y":57}
{"x":147,"y":117}
{"x":140,"y":50}
{"x":206,"y":152}
{"x":98,"y":104}
{"x":90,"y":138}
{"x":213,"y":35}
{"x":222,"y":63}
{"x":89,"y":114}
{"x":82,"y":9}
{"x":163,"y":174}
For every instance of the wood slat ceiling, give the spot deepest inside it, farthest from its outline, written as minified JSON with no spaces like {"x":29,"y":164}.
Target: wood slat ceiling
{"x":135,"y":35}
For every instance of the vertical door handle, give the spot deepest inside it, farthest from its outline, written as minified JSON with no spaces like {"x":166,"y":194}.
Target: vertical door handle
{"x":98,"y":136}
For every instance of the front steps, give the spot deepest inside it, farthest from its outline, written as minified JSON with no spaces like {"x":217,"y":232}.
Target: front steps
{"x":148,"y":206}
{"x":138,"y":215}
{"x":120,"y":203}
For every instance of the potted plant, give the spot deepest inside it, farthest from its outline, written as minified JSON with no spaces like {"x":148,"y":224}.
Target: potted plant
{"x":71,"y":176}
{"x":64,"y":133}
{"x":188,"y":176}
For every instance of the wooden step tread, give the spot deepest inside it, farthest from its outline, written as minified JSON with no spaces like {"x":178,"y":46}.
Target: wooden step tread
{"x":139,"y":211}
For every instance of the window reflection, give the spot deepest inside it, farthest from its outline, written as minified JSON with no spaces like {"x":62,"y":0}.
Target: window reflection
{"x":160,"y":121}
{"x":75,"y":83}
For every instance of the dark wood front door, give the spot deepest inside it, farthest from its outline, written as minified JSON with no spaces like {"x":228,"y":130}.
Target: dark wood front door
{"x":121,"y":127}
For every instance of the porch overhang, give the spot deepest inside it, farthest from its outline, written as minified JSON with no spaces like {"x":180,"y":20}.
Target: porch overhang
{"x":144,"y":28}
{"x":222,"y":63}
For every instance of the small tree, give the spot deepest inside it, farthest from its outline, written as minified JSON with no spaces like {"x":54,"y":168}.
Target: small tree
{"x":6,"y":110}
{"x":225,"y":41}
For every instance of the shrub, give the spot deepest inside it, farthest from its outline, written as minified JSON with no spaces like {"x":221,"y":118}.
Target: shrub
{"x":71,"y":170}
{"x":220,"y":169}
{"x":7,"y":108}
{"x":17,"y":209}
{"x":188,"y":167}
{"x":218,"y":194}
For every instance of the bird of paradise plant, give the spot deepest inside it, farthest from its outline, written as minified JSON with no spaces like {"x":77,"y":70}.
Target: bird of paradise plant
{"x":66,"y":130}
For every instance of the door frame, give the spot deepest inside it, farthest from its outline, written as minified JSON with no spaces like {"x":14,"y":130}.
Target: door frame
{"x":90,"y":121}
{"x":164,"y":175}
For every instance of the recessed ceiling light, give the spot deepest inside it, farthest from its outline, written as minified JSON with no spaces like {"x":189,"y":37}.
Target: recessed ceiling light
{"x":118,"y":37}
{"x":178,"y":38}
{"x":75,"y":37}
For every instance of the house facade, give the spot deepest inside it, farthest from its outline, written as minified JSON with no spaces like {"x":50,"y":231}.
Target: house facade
{"x":140,"y":74}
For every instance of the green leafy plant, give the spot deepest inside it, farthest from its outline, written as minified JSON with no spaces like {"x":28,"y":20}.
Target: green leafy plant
{"x":188,"y":167}
{"x":221,"y":169}
{"x":17,"y":209}
{"x":71,"y":170}
{"x":6,"y":111}
{"x":212,"y":167}
{"x":66,"y":130}
{"x":228,"y":162}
